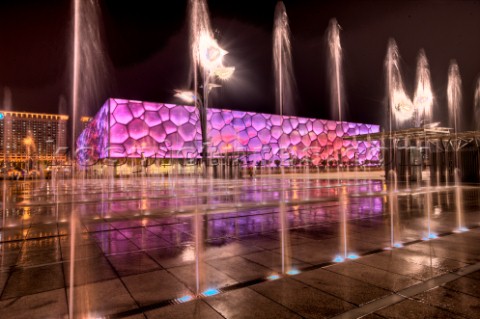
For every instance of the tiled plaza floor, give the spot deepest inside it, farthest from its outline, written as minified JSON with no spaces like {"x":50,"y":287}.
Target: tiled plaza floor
{"x":140,"y":248}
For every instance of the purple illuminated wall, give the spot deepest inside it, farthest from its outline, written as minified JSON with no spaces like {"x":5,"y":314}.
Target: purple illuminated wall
{"x":126,"y":128}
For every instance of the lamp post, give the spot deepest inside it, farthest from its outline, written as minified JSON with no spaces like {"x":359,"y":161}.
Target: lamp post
{"x":210,"y":56}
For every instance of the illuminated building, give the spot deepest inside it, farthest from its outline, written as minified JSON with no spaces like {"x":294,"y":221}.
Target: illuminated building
{"x":135,"y":129}
{"x":32,"y":136}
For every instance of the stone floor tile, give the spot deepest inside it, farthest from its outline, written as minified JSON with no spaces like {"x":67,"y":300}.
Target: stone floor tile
{"x":155,"y":286}
{"x":49,"y":304}
{"x":246,"y":304}
{"x":345,"y":288}
{"x":373,"y":276}
{"x":305,"y":300}
{"x":27,"y":281}
{"x":410,"y":309}
{"x":239,"y":268}
{"x":453,"y":301}
{"x":132,"y":263}
{"x":209,"y":277}
{"x":196,"y":309}
{"x":466,"y":285}
{"x":101,"y":299}
{"x":400,"y":266}
{"x":89,"y":270}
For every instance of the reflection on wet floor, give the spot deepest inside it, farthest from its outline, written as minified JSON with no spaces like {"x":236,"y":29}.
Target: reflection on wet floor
{"x":147,"y":241}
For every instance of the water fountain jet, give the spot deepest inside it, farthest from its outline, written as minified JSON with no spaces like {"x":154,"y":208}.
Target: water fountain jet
{"x":337,"y":91}
{"x":454,"y":95}
{"x":285,"y":85}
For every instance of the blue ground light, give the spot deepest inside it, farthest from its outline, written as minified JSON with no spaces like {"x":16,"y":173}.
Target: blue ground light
{"x":210,"y":292}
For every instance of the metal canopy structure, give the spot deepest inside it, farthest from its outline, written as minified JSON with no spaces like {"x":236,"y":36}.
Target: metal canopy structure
{"x":430,"y":134}
{"x":437,"y":149}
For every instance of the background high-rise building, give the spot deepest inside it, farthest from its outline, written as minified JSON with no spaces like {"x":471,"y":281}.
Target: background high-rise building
{"x":33,"y":137}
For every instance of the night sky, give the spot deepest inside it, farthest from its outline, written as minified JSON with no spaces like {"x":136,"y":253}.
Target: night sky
{"x":146,"y":51}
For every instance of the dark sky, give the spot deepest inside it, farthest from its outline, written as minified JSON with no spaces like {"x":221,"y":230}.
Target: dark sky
{"x":146,"y":48}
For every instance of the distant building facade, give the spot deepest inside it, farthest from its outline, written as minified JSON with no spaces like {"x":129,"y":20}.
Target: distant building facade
{"x":34,"y":137}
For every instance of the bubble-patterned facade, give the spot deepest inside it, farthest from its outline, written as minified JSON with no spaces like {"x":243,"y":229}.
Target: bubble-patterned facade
{"x":132,"y":129}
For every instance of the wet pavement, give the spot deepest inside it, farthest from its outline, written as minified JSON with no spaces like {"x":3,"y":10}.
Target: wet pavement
{"x":253,"y":248}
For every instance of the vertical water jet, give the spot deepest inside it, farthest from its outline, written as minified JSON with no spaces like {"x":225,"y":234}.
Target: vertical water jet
{"x":285,"y":85}
{"x":337,"y":92}
{"x":454,"y":95}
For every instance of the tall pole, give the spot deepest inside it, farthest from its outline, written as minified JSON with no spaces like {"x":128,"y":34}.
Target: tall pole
{"x":203,"y":121}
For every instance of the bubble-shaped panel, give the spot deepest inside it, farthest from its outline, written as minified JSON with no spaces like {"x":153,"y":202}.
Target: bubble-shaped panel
{"x":152,"y":106}
{"x":306,"y":140}
{"x":179,"y":115}
{"x":259,"y":122}
{"x":295,"y":137}
{"x":169,"y":127}
{"x":331,"y":136}
{"x":130,"y":146}
{"x":118,"y":133}
{"x":243,"y":137}
{"x":187,"y":132}
{"x":174,"y":141}
{"x":251,"y":132}
{"x":238,"y":124}
{"x":277,"y":132}
{"x":158,"y":133}
{"x":284,"y":141}
{"x":228,"y":134}
{"x":137,"y":109}
{"x":148,"y":146}
{"x":255,"y":144}
{"x":238,"y":114}
{"x":217,"y":121}
{"x":318,"y":127}
{"x":264,"y":136}
{"x":287,"y":127}
{"x":152,"y":118}
{"x":123,"y":114}
{"x":227,"y":117}
{"x":294,"y":122}
{"x":331,"y":125}
{"x":276,"y":120}
{"x":137,"y":129}
{"x":164,"y":113}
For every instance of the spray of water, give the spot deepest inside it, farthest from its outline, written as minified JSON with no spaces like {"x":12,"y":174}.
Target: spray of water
{"x":91,"y":67}
{"x":90,"y":71}
{"x":423,"y":98}
{"x":400,"y":105}
{"x":454,"y":95}
{"x":335,"y":70}
{"x":477,"y":105}
{"x":285,"y":85}
{"x":200,"y":35}
{"x":423,"y":101}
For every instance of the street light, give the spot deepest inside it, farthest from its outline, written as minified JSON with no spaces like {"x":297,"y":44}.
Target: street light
{"x":210,"y":56}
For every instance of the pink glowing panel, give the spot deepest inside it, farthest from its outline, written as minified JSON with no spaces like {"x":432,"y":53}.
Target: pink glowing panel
{"x":123,"y":114}
{"x":119,"y":133}
{"x":187,"y":132}
{"x":179,"y":115}
{"x":137,"y":129}
{"x":217,"y":121}
{"x":137,"y":109}
{"x":156,"y":129}
{"x":152,"y":118}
